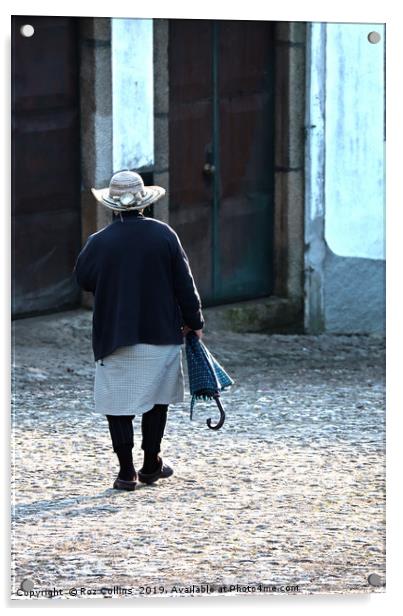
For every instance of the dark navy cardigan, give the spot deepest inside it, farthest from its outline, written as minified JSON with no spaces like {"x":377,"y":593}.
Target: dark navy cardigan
{"x":142,"y":284}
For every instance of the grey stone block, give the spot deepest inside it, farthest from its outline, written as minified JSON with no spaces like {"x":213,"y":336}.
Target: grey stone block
{"x":289,"y":233}
{"x":290,"y":107}
{"x":161,"y":210}
{"x":161,"y":73}
{"x":161,"y":140}
{"x":291,"y":31}
{"x":95,"y":28}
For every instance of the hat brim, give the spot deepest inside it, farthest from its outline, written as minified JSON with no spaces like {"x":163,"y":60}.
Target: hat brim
{"x":152,"y":194}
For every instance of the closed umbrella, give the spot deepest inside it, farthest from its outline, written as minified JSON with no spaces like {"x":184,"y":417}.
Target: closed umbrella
{"x":206,"y":376}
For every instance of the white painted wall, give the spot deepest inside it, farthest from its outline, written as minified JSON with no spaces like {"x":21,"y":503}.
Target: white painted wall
{"x":132,"y":95}
{"x":354,"y":141}
{"x":345,"y":179}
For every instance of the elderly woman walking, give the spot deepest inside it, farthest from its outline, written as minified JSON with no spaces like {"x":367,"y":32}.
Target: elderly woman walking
{"x":145,"y":302}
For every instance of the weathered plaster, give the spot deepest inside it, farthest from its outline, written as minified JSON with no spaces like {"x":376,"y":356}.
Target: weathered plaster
{"x":344,"y":186}
{"x":132,"y":93}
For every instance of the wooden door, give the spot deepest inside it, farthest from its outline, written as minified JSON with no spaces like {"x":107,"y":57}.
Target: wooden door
{"x":45,"y":164}
{"x":221,"y":76}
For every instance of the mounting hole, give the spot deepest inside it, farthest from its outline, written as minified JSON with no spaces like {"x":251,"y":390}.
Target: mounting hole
{"x":27,"y":585}
{"x":375,"y":579}
{"x":374,"y":37}
{"x":27,"y":30}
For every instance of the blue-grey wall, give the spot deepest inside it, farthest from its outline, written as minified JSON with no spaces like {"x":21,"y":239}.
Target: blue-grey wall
{"x":354,"y":294}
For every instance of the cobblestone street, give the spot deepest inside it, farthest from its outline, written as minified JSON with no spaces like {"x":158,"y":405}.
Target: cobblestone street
{"x":289,"y":492}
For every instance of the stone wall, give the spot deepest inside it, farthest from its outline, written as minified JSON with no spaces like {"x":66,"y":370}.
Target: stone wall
{"x":96,"y":123}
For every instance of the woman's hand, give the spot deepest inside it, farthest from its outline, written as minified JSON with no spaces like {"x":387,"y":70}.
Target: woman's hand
{"x":198,"y":332}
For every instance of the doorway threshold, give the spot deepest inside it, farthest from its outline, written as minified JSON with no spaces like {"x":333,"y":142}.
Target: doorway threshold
{"x":263,"y":315}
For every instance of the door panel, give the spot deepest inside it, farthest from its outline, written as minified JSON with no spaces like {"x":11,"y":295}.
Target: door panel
{"x":245,"y":208}
{"x":190,"y":130}
{"x":45,"y":164}
{"x":222,"y":113}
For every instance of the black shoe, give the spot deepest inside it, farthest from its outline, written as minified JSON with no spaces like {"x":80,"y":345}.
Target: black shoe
{"x":162,"y":472}
{"x":124,"y":484}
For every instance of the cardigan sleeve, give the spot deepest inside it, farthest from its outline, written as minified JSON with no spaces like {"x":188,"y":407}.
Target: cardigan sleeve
{"x":186,"y":292}
{"x":85,"y":269}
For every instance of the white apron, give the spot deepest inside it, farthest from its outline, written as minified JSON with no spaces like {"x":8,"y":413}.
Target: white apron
{"x":134,"y":378}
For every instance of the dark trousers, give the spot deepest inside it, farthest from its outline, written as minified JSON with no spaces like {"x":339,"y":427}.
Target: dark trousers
{"x":152,"y":427}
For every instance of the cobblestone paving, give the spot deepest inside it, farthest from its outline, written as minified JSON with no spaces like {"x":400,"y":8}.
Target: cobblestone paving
{"x":289,"y":492}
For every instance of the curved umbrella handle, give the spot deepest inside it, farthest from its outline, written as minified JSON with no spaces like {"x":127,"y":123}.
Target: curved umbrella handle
{"x":222,"y":414}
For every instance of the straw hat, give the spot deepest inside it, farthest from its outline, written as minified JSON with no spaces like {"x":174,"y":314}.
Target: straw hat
{"x":126,"y":191}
